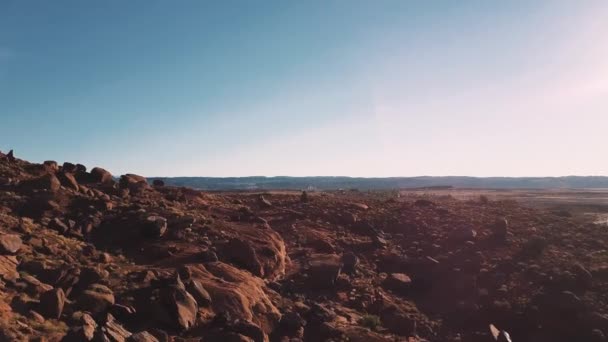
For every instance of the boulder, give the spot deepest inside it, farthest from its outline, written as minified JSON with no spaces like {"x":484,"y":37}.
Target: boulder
{"x":96,"y":298}
{"x":83,"y":328}
{"x":323,"y":270}
{"x":112,"y":330}
{"x":130,"y":181}
{"x":179,"y":307}
{"x":237,"y":293}
{"x":10,"y":243}
{"x":398,"y":282}
{"x":58,"y":225}
{"x":99,"y":175}
{"x":68,"y":167}
{"x":50,"y":166}
{"x":154,"y":227}
{"x":68,"y":180}
{"x":51,"y":303}
{"x":46,"y":182}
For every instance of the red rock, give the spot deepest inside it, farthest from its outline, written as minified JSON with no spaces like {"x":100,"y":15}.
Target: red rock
{"x":99,"y":175}
{"x":51,"y":303}
{"x":10,"y":243}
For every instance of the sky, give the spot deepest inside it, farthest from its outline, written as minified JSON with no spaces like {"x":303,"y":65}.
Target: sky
{"x":308,"y":88}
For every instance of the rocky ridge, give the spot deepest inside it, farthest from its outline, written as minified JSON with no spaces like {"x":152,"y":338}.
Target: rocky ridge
{"x":88,"y":257}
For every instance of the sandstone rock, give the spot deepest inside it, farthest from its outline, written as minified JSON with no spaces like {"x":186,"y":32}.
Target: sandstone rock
{"x":35,"y":286}
{"x":10,"y":243}
{"x":45,"y":182}
{"x":83,"y":329}
{"x":154,"y":227}
{"x":59,"y":226}
{"x":112,"y":331}
{"x":123,"y":313}
{"x":199,"y":293}
{"x":96,"y":298}
{"x":237,"y":293}
{"x":324,"y":269}
{"x":99,"y":175}
{"x":51,"y":303}
{"x":136,"y":184}
{"x":398,"y":282}
{"x":142,"y":336}
{"x":68,"y":180}
{"x":50,"y":165}
{"x":180,"y":307}
{"x":68,"y":167}
{"x":242,"y":254}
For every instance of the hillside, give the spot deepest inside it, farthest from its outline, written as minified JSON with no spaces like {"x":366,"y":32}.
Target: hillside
{"x":86,"y":258}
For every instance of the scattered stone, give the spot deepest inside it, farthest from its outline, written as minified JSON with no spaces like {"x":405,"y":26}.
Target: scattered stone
{"x":10,"y":243}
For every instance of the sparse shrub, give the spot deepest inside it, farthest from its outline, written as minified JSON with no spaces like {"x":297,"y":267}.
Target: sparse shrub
{"x":483,"y":199}
{"x":370,"y":321}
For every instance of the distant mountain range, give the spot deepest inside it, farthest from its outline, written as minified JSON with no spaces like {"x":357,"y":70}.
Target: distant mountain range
{"x":331,"y":183}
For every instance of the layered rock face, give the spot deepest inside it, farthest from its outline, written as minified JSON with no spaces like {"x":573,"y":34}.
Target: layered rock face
{"x":85,"y":256}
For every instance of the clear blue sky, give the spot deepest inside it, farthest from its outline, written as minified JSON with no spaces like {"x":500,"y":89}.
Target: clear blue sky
{"x":360,"y":88}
